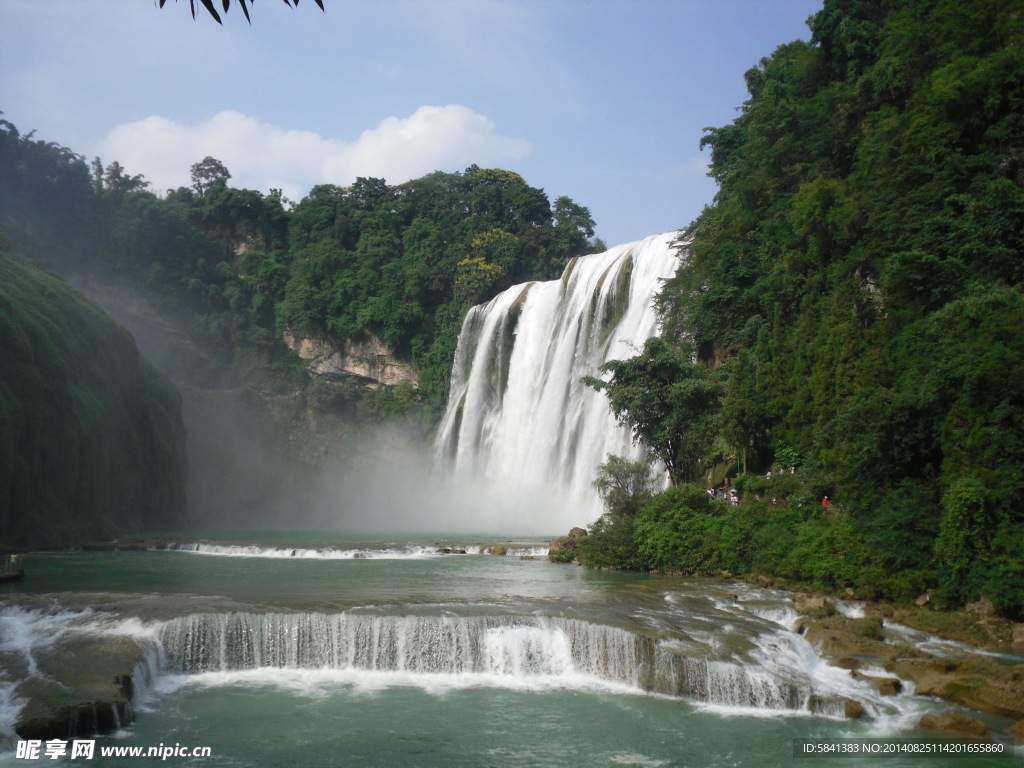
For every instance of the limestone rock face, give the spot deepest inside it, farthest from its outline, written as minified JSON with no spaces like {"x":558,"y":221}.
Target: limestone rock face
{"x":886,"y":686}
{"x":814,"y":605}
{"x":983,"y":684}
{"x":955,"y":724}
{"x":371,"y":360}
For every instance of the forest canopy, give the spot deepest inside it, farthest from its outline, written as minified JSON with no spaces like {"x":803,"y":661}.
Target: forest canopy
{"x":402,"y":262}
{"x":857,"y":291}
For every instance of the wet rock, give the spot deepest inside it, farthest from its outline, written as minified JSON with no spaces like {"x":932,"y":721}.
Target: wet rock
{"x":955,"y":724}
{"x":1017,"y":730}
{"x":886,"y":686}
{"x":848,"y":662}
{"x":527,"y":557}
{"x":813,"y":605}
{"x":497,"y":549}
{"x":841,"y":637}
{"x":853,"y":709}
{"x":82,"y":698}
{"x":86,"y":718}
{"x":976,"y":683}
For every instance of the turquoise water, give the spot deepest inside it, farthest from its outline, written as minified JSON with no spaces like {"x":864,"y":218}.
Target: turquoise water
{"x":531,"y":702}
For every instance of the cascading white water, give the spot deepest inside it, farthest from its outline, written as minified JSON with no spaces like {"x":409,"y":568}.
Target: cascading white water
{"x":513,"y":649}
{"x":404,"y":552}
{"x":521,"y":428}
{"x":512,"y":646}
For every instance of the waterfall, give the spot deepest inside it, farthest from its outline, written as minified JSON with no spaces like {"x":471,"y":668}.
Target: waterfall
{"x":521,"y":428}
{"x":494,"y":650}
{"x":496,"y":645}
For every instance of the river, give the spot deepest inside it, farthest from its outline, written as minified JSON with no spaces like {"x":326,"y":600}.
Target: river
{"x":300,"y":650}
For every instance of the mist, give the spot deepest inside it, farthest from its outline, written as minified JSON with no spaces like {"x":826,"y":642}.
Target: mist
{"x":254,"y":466}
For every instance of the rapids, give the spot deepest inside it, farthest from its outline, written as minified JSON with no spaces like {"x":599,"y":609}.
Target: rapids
{"x":475,"y":659}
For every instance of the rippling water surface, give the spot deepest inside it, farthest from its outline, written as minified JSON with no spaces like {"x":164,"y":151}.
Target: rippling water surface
{"x":315,"y":651}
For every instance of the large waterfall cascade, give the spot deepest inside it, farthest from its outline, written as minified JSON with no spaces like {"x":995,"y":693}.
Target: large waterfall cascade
{"x":520,"y":424}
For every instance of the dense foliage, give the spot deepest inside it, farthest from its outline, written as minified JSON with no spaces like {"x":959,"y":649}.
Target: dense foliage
{"x":91,"y":436}
{"x":401,"y":262}
{"x":859,"y":286}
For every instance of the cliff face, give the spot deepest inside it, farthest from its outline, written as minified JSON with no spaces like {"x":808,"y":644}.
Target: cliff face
{"x":370,"y":360}
{"x":92,"y":441}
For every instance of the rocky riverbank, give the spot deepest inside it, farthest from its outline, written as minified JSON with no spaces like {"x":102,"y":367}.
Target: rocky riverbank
{"x":970,"y":658}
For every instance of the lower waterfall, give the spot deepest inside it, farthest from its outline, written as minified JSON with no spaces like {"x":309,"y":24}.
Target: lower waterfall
{"x":483,"y":649}
{"x":520,"y":428}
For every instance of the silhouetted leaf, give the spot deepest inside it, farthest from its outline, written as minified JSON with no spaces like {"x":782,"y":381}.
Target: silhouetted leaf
{"x":208,"y":4}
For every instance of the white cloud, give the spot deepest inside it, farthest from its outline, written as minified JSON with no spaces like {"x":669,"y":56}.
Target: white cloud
{"x":261,"y":156}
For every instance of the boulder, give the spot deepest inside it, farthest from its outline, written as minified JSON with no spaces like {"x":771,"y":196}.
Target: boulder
{"x":886,"y":686}
{"x":577,"y":533}
{"x":562,"y":550}
{"x":832,"y":706}
{"x":955,"y":724}
{"x":853,"y":709}
{"x":561,"y":543}
{"x":815,"y":605}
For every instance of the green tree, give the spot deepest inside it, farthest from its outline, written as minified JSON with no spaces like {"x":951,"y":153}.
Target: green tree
{"x":208,"y":174}
{"x":859,"y":279}
{"x":669,"y":402}
{"x":625,"y":486}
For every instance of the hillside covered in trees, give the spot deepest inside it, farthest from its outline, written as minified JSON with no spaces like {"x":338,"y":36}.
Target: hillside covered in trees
{"x":855,"y":300}
{"x":400,"y":262}
{"x":91,"y":436}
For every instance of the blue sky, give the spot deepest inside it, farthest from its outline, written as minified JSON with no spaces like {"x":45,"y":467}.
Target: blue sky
{"x":600,"y":100}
